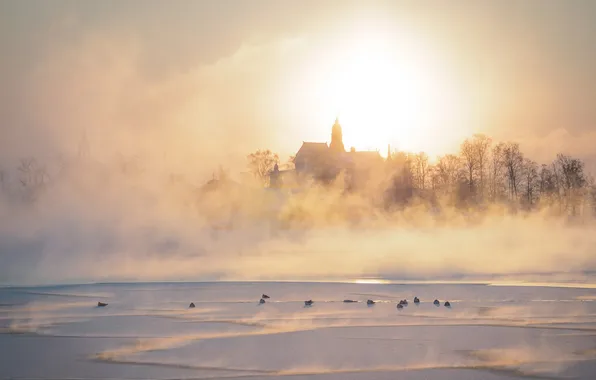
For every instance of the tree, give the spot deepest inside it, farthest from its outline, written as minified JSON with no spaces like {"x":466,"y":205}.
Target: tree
{"x":571,"y":179}
{"x":469,"y":161}
{"x":261,"y":163}
{"x":481,"y":145}
{"x":448,"y":172}
{"x":513,"y":162}
{"x":420,"y":169}
{"x":592,"y":194}
{"x":475,"y":154}
{"x":400,"y":189}
{"x":495,"y":172}
{"x":531,"y":181}
{"x":572,"y":170}
{"x":33,"y":177}
{"x":547,"y":182}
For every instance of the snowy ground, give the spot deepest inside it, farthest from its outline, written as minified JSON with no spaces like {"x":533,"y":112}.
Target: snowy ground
{"x":148,"y":331}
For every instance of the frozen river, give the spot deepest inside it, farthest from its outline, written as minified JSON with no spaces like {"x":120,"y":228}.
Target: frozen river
{"x":148,"y":331}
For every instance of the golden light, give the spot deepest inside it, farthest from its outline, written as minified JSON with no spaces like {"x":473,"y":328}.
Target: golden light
{"x":371,"y":281}
{"x":387,"y":93}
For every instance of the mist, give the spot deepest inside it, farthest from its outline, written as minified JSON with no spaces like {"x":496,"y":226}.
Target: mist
{"x":121,"y":128}
{"x":128,"y":221}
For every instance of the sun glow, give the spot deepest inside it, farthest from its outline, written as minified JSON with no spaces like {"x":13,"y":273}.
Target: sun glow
{"x":388,"y":95}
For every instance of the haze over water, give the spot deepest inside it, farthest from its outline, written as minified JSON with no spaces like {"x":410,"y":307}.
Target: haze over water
{"x":155,"y":154}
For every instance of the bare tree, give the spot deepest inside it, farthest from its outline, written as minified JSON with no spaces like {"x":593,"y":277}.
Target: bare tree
{"x":33,"y":177}
{"x":571,"y":179}
{"x":400,"y":189}
{"x":496,"y":172}
{"x":547,"y":183}
{"x":261,"y":163}
{"x":592,"y":194}
{"x":469,"y":161}
{"x":435,"y":180}
{"x":572,"y":170}
{"x":420,"y":169}
{"x":481,"y":147}
{"x":448,"y":172}
{"x":513,"y":162}
{"x":531,"y":181}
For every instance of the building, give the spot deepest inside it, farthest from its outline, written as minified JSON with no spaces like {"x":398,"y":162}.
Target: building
{"x":319,"y":162}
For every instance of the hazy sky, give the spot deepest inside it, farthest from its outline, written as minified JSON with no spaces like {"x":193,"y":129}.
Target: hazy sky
{"x":218,"y":79}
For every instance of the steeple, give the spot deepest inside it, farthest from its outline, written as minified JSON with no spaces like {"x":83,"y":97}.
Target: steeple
{"x":337,"y":143}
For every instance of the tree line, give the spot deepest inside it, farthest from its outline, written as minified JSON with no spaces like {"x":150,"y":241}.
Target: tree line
{"x":482,"y":173}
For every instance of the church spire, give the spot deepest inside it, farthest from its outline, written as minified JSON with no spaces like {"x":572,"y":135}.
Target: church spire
{"x":337,"y":143}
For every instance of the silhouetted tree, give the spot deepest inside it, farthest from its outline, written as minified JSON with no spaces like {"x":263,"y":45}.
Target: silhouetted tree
{"x":572,"y":170}
{"x":33,"y":177}
{"x":261,"y":163}
{"x":513,"y":162}
{"x":547,"y":183}
{"x":420,"y":169}
{"x":571,"y":178}
{"x":531,"y":181}
{"x":495,"y":189}
{"x":448,"y":172}
{"x":400,"y":189}
{"x":481,"y":149}
{"x":592,"y":194}
{"x":469,"y":162}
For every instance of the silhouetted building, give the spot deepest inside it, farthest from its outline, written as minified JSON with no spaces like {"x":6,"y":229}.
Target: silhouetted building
{"x":337,"y":139}
{"x":321,"y":162}
{"x":311,"y":158}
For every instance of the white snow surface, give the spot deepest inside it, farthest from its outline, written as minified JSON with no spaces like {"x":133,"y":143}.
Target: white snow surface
{"x":148,"y":331}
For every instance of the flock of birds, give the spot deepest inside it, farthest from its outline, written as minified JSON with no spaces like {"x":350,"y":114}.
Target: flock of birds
{"x":369,"y":302}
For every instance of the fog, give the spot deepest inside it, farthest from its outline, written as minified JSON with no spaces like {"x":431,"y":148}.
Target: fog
{"x":104,"y":221}
{"x":128,"y":124}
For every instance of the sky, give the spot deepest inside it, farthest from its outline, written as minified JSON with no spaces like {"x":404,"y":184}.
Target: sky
{"x":198,"y":80}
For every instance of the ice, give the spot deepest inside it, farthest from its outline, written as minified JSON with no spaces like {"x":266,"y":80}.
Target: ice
{"x":148,"y":331}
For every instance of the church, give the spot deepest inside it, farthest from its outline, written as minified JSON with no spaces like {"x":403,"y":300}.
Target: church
{"x":322,"y":163}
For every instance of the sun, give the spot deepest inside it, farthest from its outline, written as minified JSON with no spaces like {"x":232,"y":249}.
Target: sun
{"x":387,"y":93}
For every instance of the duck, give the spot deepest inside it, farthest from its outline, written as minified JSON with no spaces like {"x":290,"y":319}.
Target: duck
{"x":262,"y":301}
{"x":349,"y":301}
{"x":192,"y":304}
{"x":370,"y":302}
{"x":416,"y":300}
{"x":400,"y":306}
{"x":403,"y":302}
{"x":101,"y":304}
{"x":447,"y":304}
{"x":436,"y":302}
{"x":308,"y":303}
{"x":265,"y":296}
